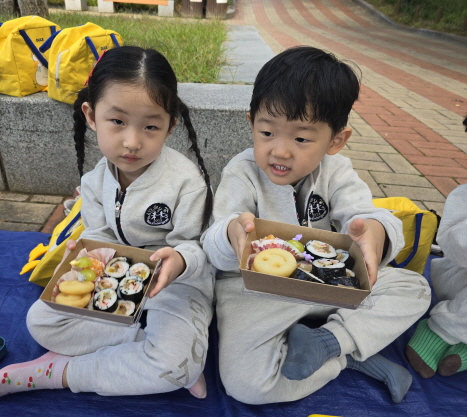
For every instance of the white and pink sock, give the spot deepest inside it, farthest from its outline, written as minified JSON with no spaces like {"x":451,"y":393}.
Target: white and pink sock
{"x":42,"y":373}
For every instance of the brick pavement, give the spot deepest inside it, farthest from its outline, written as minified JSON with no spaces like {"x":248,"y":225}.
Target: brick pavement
{"x":408,"y":138}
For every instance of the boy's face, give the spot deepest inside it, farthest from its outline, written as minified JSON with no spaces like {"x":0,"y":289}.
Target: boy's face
{"x":287,"y":151}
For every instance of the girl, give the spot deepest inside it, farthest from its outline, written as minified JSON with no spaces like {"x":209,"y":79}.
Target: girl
{"x":142,"y":194}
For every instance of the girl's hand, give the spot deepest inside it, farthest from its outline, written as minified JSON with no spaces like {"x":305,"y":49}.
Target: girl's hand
{"x":173,"y":265}
{"x":370,"y":236}
{"x":238,"y":229}
{"x":70,"y":245}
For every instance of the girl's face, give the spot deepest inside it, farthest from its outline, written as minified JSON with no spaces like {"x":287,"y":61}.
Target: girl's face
{"x":131,"y":129}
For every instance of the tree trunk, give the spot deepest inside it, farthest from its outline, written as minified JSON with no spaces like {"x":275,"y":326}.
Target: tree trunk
{"x":33,"y":7}
{"x":417,"y":12}
{"x":397,"y":7}
{"x":439,"y":15}
{"x":7,"y":7}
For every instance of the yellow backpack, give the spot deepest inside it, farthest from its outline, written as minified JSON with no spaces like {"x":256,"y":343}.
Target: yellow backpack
{"x":73,"y":53}
{"x":23,"y":68}
{"x":419,"y":227}
{"x":69,"y":228}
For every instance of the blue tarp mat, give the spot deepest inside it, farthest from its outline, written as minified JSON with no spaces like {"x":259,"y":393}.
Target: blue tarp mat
{"x":352,"y":394}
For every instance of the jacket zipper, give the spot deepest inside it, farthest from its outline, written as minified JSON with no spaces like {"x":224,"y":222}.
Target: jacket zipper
{"x":119,"y":198}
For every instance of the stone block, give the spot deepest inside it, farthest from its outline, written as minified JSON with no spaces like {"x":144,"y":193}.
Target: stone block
{"x":166,"y":11}
{"x":37,"y":147}
{"x":76,"y":5}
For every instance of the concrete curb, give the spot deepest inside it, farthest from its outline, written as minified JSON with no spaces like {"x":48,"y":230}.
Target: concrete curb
{"x":424,"y":32}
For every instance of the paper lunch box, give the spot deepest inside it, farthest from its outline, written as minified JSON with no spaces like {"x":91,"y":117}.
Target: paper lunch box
{"x":134,"y":254}
{"x":292,"y":288}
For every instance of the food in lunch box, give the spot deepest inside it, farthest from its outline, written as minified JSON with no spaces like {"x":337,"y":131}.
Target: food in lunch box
{"x":275,"y":262}
{"x":318,"y":262}
{"x":112,"y":285}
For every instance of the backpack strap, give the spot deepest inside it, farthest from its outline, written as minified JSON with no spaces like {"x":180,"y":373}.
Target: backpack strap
{"x":48,"y":42}
{"x":92,"y":47}
{"x":416,"y":241}
{"x":114,"y":38}
{"x":33,"y":48}
{"x":64,"y":233}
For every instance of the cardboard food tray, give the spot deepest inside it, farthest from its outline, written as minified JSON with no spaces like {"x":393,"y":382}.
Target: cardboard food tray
{"x":304,"y":290}
{"x":134,"y":254}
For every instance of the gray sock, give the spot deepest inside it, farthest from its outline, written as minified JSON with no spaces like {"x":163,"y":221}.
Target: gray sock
{"x":397,"y":378}
{"x":308,"y":350}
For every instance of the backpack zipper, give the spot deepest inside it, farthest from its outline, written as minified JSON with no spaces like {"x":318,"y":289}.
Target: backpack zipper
{"x":57,"y":69}
{"x":119,"y":198}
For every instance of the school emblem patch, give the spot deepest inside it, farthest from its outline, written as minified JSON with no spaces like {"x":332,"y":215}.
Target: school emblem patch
{"x":157,"y":214}
{"x":317,"y":208}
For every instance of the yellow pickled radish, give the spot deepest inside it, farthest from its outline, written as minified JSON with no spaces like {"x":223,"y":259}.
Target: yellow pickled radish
{"x":88,"y":274}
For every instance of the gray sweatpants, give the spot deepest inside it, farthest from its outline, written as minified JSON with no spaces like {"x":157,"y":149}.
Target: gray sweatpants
{"x":108,"y":359}
{"x":448,"y":319}
{"x":253,"y":334}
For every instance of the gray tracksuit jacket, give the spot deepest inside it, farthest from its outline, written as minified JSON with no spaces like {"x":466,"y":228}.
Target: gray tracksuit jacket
{"x":163,"y":207}
{"x":333,"y":192}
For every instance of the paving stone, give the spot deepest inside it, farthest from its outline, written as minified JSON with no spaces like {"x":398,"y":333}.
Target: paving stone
{"x":444,"y":184}
{"x":438,"y":207}
{"x":5,"y":195}
{"x":371,"y":165}
{"x":54,"y":199}
{"x":399,"y":164}
{"x":365,"y":139}
{"x":414,"y":193}
{"x":419,"y":204}
{"x":13,"y":211}
{"x":371,"y":148}
{"x":366,"y":156}
{"x":374,"y":188}
{"x":400,"y":179}
{"x":19,"y":227}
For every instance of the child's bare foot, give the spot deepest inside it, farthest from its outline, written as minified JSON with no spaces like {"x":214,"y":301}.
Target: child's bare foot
{"x":198,"y":390}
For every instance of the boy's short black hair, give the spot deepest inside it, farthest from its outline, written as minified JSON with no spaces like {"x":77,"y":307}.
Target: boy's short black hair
{"x":465,"y":123}
{"x":306,"y":83}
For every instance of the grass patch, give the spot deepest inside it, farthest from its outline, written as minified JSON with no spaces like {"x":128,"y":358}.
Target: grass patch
{"x":445,"y":16}
{"x":194,"y":48}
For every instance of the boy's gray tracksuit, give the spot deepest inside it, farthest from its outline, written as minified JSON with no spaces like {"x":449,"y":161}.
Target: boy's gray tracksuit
{"x":448,"y":318}
{"x":253,"y":330}
{"x":163,"y":207}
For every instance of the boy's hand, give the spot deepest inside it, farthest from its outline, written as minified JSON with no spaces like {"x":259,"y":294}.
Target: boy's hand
{"x":370,"y":236}
{"x":238,"y":229}
{"x":70,"y":245}
{"x":173,"y":265}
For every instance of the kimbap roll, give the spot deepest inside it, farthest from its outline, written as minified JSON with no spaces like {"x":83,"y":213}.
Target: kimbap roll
{"x":325,"y":269}
{"x":351,"y":282}
{"x":117,"y":267}
{"x":140,"y":270}
{"x":320,"y":249}
{"x":131,"y":289}
{"x":344,"y":256}
{"x":105,"y":300}
{"x":125,"y":308}
{"x":305,"y":275}
{"x":104,"y":283}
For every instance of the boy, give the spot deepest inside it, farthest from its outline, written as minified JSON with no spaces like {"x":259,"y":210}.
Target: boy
{"x":298,"y":116}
